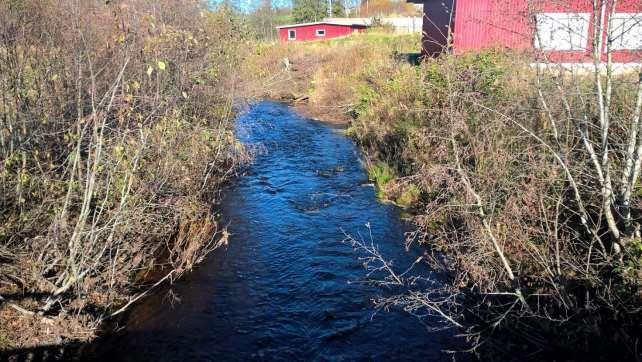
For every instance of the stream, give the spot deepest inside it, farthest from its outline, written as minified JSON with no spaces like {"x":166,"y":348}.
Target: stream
{"x":284,"y":288}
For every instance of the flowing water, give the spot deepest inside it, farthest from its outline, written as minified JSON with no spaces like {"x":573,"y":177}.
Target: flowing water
{"x":281,"y":290}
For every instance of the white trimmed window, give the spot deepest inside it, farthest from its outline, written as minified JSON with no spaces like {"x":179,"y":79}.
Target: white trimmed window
{"x":320,"y":32}
{"x":562,"y":31}
{"x":291,"y":34}
{"x":626,"y":31}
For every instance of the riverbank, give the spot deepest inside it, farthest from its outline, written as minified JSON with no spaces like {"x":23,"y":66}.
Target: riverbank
{"x":286,"y":286}
{"x":471,"y":146}
{"x":321,"y":80}
{"x":522,"y":183}
{"x":114,"y":151}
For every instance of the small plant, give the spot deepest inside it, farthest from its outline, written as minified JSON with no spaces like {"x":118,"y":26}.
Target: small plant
{"x":381,"y":174}
{"x":4,"y":340}
{"x":409,"y":196}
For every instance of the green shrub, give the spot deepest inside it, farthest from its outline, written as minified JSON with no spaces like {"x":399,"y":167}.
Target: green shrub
{"x":409,"y":196}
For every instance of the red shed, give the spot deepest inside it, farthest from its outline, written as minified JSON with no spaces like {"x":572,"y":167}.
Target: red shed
{"x":318,"y":31}
{"x":560,"y":30}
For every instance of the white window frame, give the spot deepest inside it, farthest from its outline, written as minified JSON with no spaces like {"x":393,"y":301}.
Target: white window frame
{"x":319,"y":33}
{"x":626,"y":31}
{"x":562,"y":31}
{"x":291,"y":34}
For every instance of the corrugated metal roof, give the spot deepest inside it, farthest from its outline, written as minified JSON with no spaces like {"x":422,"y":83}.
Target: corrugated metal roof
{"x":350,"y":21}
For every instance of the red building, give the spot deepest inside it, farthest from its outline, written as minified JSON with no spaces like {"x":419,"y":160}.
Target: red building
{"x":559,"y":30}
{"x":318,"y":31}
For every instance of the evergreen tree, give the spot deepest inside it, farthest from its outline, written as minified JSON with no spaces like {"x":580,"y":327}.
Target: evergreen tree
{"x":315,"y":10}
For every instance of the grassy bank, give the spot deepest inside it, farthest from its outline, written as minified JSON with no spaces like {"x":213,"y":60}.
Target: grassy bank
{"x":322,"y":79}
{"x":503,"y":167}
{"x":116,"y":137}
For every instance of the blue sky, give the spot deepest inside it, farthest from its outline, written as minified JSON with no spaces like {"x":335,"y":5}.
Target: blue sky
{"x":248,"y":5}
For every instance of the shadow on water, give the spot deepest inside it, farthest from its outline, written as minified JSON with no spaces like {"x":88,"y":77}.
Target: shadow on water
{"x":280,"y":290}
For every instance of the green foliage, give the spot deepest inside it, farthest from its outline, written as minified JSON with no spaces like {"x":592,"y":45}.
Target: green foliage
{"x":262,"y":21}
{"x":409,"y":196}
{"x":381,"y":174}
{"x":385,"y":43}
{"x":314,"y":10}
{"x":485,"y":69}
{"x":631,"y":267}
{"x":365,"y":95}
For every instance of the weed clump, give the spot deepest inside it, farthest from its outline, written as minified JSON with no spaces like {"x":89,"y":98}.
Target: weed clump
{"x":381,"y":174}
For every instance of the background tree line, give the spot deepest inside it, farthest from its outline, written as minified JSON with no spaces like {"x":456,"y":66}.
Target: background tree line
{"x":262,"y":17}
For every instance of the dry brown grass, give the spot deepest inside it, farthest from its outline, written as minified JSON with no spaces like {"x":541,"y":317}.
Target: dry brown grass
{"x":320,"y":78}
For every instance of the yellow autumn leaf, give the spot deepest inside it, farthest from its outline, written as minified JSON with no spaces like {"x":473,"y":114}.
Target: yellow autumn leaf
{"x":150,"y":70}
{"x":161,"y":65}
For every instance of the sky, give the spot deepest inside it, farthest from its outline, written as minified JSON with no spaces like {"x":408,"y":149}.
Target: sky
{"x":249,"y":5}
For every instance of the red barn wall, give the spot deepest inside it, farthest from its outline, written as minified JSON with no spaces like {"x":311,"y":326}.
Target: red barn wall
{"x":308,"y":32}
{"x":480,"y":24}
